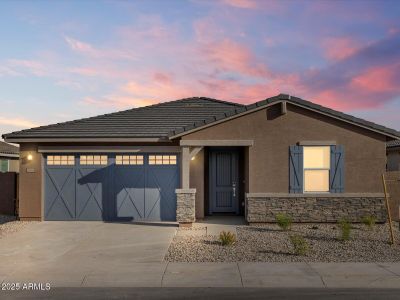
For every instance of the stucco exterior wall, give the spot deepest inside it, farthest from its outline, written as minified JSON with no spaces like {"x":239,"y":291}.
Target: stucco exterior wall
{"x":30,"y":183}
{"x":393,"y":160}
{"x":13,"y":165}
{"x":273,"y":133}
{"x":196,"y":181}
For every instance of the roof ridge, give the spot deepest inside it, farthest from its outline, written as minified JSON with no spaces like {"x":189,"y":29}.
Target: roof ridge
{"x":221,"y":101}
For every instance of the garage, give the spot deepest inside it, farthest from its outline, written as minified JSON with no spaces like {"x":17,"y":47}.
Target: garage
{"x":110,"y":187}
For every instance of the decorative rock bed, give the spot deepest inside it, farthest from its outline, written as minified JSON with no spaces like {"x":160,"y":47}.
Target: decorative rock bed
{"x":9,"y":224}
{"x":268,"y":243}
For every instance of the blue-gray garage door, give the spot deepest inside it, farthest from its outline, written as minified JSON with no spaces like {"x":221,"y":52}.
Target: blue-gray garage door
{"x":117,"y":187}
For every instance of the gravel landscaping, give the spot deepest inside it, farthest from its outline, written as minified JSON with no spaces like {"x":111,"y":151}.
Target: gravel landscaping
{"x":268,"y":243}
{"x":9,"y":225}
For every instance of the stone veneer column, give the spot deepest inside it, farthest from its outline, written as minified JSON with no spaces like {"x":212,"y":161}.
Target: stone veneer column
{"x":185,"y":206}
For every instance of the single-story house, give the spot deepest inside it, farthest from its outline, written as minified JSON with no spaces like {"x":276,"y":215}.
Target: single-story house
{"x":9,"y":157}
{"x":186,"y":159}
{"x":393,"y":155}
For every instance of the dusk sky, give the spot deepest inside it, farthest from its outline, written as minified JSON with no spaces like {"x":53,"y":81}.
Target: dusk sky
{"x":61,"y":61}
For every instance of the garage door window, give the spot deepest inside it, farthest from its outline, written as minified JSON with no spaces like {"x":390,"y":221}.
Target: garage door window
{"x":129,"y":160}
{"x":60,"y":160}
{"x":93,"y":159}
{"x":162,"y":160}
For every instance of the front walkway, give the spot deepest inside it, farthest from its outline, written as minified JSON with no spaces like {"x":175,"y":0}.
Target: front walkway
{"x":254,"y":275}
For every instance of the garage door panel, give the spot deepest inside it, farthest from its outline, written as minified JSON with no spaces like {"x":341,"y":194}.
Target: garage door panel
{"x":111,"y":192}
{"x":91,"y":193}
{"x":160,"y":192}
{"x":60,"y":194}
{"x":129,"y":192}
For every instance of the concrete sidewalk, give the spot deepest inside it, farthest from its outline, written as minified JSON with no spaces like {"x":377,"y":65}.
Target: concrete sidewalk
{"x":254,"y":275}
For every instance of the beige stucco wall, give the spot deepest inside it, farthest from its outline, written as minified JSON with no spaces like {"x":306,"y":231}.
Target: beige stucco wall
{"x":30,"y":183}
{"x":365,"y":151}
{"x":196,"y":181}
{"x":393,"y":160}
{"x":13,"y":165}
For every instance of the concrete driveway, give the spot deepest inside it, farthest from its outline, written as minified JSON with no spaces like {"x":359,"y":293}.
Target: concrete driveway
{"x":68,"y":253}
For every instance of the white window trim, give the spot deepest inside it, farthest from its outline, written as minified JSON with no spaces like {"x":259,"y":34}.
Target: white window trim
{"x":322,"y":169}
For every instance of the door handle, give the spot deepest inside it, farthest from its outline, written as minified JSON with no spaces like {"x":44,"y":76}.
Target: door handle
{"x":234,"y":189}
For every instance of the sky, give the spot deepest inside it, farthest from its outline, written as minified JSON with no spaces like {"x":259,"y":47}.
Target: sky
{"x":65,"y":60}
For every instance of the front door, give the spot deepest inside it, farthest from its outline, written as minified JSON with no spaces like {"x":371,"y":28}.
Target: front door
{"x":224,"y":176}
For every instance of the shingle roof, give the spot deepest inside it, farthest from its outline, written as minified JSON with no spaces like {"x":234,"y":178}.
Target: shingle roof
{"x":6,"y":148}
{"x":150,"y":121}
{"x":393,"y":144}
{"x":298,"y":101}
{"x":173,"y":118}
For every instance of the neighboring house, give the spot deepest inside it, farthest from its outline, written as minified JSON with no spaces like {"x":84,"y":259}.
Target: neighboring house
{"x":193,"y":157}
{"x":9,"y":158}
{"x":393,"y":155}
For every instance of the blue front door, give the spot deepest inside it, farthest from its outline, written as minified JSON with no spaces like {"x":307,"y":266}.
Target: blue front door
{"x":224,"y":185}
{"x":111,"y":191}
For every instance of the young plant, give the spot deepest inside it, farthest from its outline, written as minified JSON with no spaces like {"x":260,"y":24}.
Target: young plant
{"x":227,"y":238}
{"x":284,"y":221}
{"x":369,"y":221}
{"x":299,"y":244}
{"x":345,"y":229}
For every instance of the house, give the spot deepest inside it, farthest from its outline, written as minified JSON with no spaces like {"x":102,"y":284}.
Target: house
{"x":186,"y":159}
{"x":393,"y":155}
{"x":9,"y":157}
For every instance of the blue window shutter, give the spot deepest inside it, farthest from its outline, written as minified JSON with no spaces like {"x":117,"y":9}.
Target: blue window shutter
{"x":336,"y":176}
{"x":295,"y":169}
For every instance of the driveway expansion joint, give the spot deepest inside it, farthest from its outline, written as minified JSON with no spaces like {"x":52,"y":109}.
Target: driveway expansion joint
{"x":240,"y":274}
{"x":162,"y":277}
{"x":386,"y":269}
{"x":318,"y":274}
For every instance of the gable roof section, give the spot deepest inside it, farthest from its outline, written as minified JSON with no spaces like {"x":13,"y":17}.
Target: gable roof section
{"x":8,"y":149}
{"x":154,"y":121}
{"x":292,"y":100}
{"x":169,"y":120}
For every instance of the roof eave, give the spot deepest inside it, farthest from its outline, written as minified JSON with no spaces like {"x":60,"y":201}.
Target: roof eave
{"x":85,"y":139}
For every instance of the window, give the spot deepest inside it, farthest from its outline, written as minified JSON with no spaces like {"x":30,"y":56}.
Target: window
{"x":93,"y":160}
{"x":162,"y":160}
{"x":60,"y":160}
{"x":129,"y":160}
{"x":4,"y":165}
{"x":316,"y":169}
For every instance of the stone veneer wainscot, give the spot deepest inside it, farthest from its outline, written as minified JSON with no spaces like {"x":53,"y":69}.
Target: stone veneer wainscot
{"x":262,"y":208}
{"x":185,"y":205}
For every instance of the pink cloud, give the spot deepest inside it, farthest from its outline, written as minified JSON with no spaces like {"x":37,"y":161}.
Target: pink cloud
{"x":89,"y":50}
{"x":17,"y":122}
{"x":162,"y":77}
{"x":339,"y":48}
{"x":229,"y":56}
{"x":378,"y":79}
{"x":24,"y":66}
{"x":248,"y":4}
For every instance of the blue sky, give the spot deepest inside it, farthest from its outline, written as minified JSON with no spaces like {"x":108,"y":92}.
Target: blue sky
{"x":66,"y":60}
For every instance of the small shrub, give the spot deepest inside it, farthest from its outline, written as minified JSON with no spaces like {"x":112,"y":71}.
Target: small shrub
{"x":299,"y":244}
{"x":369,"y":221}
{"x":284,"y":221}
{"x":227,"y":238}
{"x":345,"y":229}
